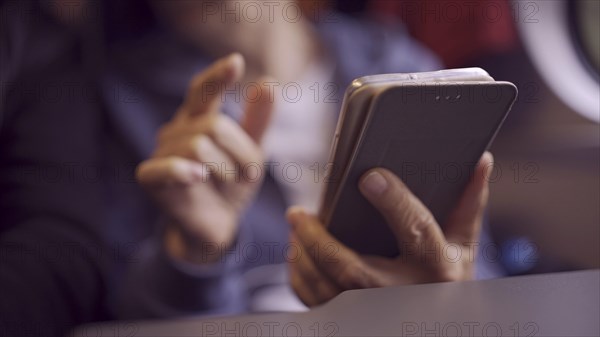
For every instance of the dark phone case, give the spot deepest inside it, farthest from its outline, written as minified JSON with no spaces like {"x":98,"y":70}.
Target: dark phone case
{"x":430,"y":135}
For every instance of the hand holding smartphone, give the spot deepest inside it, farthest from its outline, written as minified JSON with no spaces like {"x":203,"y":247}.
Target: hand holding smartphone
{"x":430,"y":129}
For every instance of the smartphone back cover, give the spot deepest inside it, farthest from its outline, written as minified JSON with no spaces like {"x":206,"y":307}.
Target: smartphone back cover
{"x":431,"y":136}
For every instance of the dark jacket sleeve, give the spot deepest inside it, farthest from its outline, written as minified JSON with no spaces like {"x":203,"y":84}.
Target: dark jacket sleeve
{"x":52,"y":255}
{"x":160,"y":287}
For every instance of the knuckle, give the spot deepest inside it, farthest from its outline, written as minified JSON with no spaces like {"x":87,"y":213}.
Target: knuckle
{"x":217,"y":127}
{"x":175,"y":166}
{"x":353,"y":275}
{"x":198,"y":146}
{"x":420,"y":226}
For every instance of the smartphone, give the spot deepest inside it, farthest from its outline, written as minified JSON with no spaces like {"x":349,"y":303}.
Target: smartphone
{"x":430,"y":129}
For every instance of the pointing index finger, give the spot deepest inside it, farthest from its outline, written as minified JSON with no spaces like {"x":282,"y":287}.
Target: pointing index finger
{"x":205,"y":90}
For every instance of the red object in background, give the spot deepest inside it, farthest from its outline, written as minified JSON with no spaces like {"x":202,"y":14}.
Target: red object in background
{"x":457,"y":31}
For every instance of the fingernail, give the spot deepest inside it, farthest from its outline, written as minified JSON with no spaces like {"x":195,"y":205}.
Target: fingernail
{"x":294,"y":215}
{"x":487,"y":159}
{"x":235,"y":64}
{"x":235,"y":58}
{"x":374,"y":184}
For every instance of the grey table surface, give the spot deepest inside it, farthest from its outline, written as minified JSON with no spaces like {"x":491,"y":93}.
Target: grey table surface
{"x":561,"y":304}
